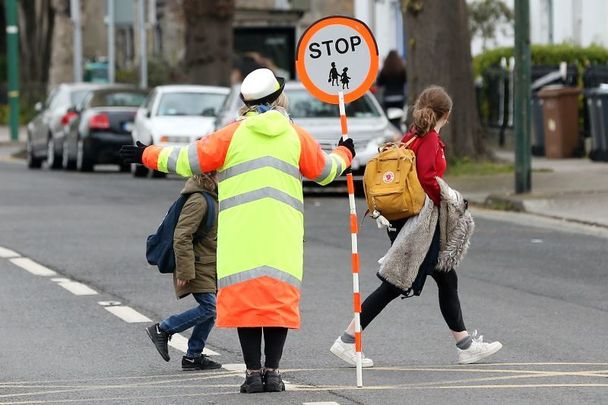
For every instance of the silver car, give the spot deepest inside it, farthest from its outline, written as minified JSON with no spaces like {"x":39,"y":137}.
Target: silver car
{"x":45,"y":131}
{"x":368,"y":126}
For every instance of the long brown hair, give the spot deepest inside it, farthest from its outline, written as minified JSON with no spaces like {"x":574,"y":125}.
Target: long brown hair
{"x":432,"y":105}
{"x":393,"y":64}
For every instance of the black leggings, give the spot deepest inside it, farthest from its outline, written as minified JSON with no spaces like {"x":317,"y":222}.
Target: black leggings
{"x":251,"y":344}
{"x":447,"y":282}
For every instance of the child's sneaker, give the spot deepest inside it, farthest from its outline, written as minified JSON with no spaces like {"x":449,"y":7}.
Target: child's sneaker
{"x":346,"y":351}
{"x":478,"y":350}
{"x":160,"y":340}
{"x":199,"y":363}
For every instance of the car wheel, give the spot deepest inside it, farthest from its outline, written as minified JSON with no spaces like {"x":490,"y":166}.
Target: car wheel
{"x":158,"y":175}
{"x":139,"y":170}
{"x":32,"y":161}
{"x":84,"y":163}
{"x":67,"y":163}
{"x":53,"y":160}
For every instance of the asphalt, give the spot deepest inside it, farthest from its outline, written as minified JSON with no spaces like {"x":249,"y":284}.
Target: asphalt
{"x":536,"y":284}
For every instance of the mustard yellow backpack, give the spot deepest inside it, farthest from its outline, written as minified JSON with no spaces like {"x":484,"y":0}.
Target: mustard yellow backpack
{"x":391,"y":183}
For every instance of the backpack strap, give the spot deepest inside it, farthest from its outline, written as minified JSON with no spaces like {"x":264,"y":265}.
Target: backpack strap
{"x":211,"y":212}
{"x":210,"y":215}
{"x":412,"y":139}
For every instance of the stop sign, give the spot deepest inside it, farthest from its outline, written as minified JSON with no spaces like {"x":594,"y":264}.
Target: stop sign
{"x":337,"y":54}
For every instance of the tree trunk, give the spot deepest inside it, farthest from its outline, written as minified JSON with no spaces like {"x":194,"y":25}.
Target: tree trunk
{"x":439,"y":52}
{"x":62,"y":58}
{"x":208,"y":39}
{"x":35,"y":34}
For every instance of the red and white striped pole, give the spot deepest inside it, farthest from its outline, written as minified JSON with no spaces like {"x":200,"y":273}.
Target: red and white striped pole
{"x":355,"y":253}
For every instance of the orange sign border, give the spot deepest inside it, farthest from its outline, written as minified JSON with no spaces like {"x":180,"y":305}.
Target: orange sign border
{"x":369,"y":39}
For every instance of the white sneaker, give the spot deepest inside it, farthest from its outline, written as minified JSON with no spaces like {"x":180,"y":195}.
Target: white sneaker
{"x":478,"y":350}
{"x":346,"y":351}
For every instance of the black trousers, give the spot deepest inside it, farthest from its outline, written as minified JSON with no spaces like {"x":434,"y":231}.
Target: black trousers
{"x":251,"y":344}
{"x":447,"y":284}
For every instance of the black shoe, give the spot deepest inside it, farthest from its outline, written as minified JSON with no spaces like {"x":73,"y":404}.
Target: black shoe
{"x":253,"y":383}
{"x":273,"y":381}
{"x":199,"y":363}
{"x":160,"y":340}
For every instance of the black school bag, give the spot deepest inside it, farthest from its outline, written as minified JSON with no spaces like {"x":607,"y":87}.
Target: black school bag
{"x":159,"y":246}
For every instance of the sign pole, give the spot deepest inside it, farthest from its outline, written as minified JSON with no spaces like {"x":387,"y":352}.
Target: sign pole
{"x":355,"y":253}
{"x":337,"y":62}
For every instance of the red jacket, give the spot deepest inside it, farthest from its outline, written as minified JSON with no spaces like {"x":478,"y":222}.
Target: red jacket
{"x":430,"y":161}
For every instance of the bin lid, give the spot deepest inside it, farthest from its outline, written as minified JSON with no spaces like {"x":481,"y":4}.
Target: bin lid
{"x":558,"y":91}
{"x":598,"y":91}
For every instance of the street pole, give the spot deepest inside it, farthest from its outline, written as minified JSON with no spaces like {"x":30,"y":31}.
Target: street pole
{"x":111,"y":43}
{"x":75,"y":11}
{"x":12,"y":50}
{"x":550,"y":15}
{"x":143,"y":57}
{"x":522,"y":96}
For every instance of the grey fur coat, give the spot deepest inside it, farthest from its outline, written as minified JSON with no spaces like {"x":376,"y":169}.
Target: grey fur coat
{"x":401,"y":263}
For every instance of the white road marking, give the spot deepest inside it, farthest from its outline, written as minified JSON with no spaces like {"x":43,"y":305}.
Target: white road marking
{"x":108,"y":303}
{"x":180,"y":343}
{"x":7,"y":253}
{"x":127,"y":314}
{"x":536,"y":241}
{"x":33,"y":267}
{"x":234,"y":367}
{"x":77,"y":288}
{"x":320,"y":403}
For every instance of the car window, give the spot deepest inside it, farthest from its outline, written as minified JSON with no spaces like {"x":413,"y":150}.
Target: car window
{"x":59,"y":98}
{"x":118,"y":98}
{"x":193,"y":104}
{"x":303,"y":105}
{"x":77,"y":96}
{"x":150,"y":101}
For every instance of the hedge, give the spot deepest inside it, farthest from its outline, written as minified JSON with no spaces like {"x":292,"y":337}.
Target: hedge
{"x":545,"y":55}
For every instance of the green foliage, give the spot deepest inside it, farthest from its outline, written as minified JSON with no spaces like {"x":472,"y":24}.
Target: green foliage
{"x":159,"y":73}
{"x":26,"y":112}
{"x":486,"y":16}
{"x":545,"y":55}
{"x":469,"y":167}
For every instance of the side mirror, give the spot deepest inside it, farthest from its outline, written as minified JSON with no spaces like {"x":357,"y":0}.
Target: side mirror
{"x":395,"y":113}
{"x":148,"y":113}
{"x":38,"y":106}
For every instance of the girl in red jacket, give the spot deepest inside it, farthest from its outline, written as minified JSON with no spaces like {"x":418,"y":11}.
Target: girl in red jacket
{"x":430,"y":113}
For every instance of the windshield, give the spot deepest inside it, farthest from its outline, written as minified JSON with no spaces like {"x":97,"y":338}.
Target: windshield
{"x":124,"y":98}
{"x":194,"y":104}
{"x":303,"y":105}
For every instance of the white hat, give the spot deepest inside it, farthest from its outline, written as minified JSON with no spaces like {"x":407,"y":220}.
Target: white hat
{"x":261,"y":87}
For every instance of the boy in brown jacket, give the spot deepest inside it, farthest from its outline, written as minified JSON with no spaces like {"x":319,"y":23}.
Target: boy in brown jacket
{"x":195,"y":273}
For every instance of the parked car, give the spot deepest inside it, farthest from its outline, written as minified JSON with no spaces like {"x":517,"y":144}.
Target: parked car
{"x":177,"y":115}
{"x":368,"y":125}
{"x":45,"y":131}
{"x":103,"y":123}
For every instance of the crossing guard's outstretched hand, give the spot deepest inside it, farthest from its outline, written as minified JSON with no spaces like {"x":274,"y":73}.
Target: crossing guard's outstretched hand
{"x":132,"y":153}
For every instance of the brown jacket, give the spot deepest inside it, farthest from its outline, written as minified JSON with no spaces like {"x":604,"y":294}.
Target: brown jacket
{"x":195,"y":261}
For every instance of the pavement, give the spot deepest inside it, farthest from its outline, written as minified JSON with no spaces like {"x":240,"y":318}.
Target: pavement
{"x":76,"y":294}
{"x":568,"y":189}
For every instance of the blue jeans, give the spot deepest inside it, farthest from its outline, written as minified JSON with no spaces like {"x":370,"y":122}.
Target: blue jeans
{"x":202,"y":318}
